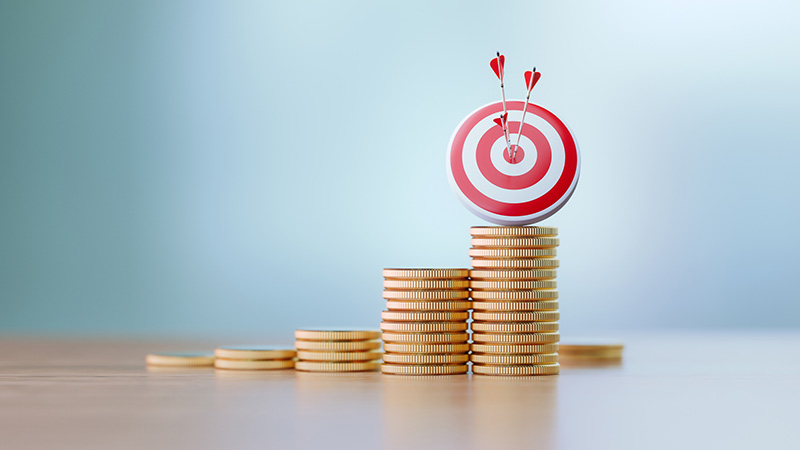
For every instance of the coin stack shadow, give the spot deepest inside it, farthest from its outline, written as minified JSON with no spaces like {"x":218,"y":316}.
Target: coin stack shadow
{"x":337,"y":350}
{"x":425,"y":325}
{"x":515,"y":301}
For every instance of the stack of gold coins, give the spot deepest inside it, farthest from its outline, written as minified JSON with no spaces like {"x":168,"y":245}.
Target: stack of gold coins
{"x":337,"y":350}
{"x":253,"y":357}
{"x":425,"y":325}
{"x":515,"y":301}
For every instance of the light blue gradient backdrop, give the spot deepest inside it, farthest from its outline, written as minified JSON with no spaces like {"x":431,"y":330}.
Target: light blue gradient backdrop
{"x":229,"y":167}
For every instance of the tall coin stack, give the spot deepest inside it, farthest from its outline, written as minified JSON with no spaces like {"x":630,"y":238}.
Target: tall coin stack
{"x":515,"y":301}
{"x":425,"y":325}
{"x":337,"y":350}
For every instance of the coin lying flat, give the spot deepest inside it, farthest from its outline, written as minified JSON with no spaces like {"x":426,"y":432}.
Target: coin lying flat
{"x":544,"y":369}
{"x":337,"y":346}
{"x":515,"y":242}
{"x":526,"y":316}
{"x":184,"y":359}
{"x":514,"y":327}
{"x":508,"y":253}
{"x":402,"y":358}
{"x":540,"y":263}
{"x":423,"y":327}
{"x":480,"y":285}
{"x":426,"y":348}
{"x":508,"y":306}
{"x":336,"y":335}
{"x":428,"y":305}
{"x":510,"y":231}
{"x":305,"y":355}
{"x":422,"y":369}
{"x":519,"y":338}
{"x":243,"y":364}
{"x":425,"y":338}
{"x":527,"y":295}
{"x":424,"y":316}
{"x":514,"y":349}
{"x":425,"y":284}
{"x":593,"y":351}
{"x":426,"y":295}
{"x":544,"y":358}
{"x":253,"y":352}
{"x":522,"y":274}
{"x":317,"y":366}
{"x":425,"y":274}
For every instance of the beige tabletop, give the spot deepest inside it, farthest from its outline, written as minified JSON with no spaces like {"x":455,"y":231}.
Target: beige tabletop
{"x":675,"y":390}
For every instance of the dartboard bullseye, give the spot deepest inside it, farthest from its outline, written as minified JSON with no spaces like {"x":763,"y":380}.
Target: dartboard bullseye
{"x":528,"y":185}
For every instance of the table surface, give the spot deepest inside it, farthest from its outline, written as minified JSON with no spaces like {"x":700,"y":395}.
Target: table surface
{"x":673,"y":390}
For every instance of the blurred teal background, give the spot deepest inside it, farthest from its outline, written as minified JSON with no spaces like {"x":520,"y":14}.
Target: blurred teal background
{"x":219,"y":168}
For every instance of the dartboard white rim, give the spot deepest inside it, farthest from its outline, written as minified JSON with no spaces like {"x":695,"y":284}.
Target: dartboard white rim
{"x":553,"y":184}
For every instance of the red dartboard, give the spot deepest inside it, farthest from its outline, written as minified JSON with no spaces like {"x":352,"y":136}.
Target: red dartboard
{"x":529,"y":188}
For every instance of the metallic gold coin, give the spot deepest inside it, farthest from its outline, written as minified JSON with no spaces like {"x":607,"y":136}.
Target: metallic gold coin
{"x":519,"y":338}
{"x":423,"y":327}
{"x":532,"y":316}
{"x":253,"y":352}
{"x":338,"y":356}
{"x":510,"y":306}
{"x":479,"y":285}
{"x":531,"y":242}
{"x":336,"y":335}
{"x":514,"y":349}
{"x":427,"y":306}
{"x":514,"y":327}
{"x":525,"y":274}
{"x":244,"y":364}
{"x":426,"y":348}
{"x":543,"y":369}
{"x":424,"y":316}
{"x":533,"y":231}
{"x":509,"y":253}
{"x":426,"y":295}
{"x":425,"y":338}
{"x":592,"y":351}
{"x":317,"y":366}
{"x":425,"y":284}
{"x":337,"y":346}
{"x":544,"y":358}
{"x":185,"y":359}
{"x":425,"y":274}
{"x":402,"y":358}
{"x":540,"y":263}
{"x":526,"y":296}
{"x":420,"y":369}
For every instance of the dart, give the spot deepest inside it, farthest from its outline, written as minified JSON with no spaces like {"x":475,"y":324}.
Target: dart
{"x":531,"y":78}
{"x":498,"y":66}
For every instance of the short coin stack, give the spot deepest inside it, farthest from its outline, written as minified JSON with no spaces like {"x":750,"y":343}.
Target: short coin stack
{"x":425,"y":325}
{"x":253,"y":357}
{"x":337,"y":350}
{"x":515,"y":301}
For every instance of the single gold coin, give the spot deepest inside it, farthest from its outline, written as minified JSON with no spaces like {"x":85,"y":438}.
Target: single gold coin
{"x":253,"y":352}
{"x":479,"y":285}
{"x":183,"y":359}
{"x":423,"y":327}
{"x":424,"y":369}
{"x":402,"y":358}
{"x":338,"y":356}
{"x":428,"y":306}
{"x":519,"y":338}
{"x":337,"y":346}
{"x":509,"y":253}
{"x":426,"y":348}
{"x":531,"y":231}
{"x":509,"y":370}
{"x":516,"y":275}
{"x":425,"y":338}
{"x":425,"y":284}
{"x":526,"y":296}
{"x":350,"y":366}
{"x":514,"y":327}
{"x":531,"y":242}
{"x":424,"y":316}
{"x":426,"y":295}
{"x":544,"y":358}
{"x":592,"y":351}
{"x":540,"y":263}
{"x":528,"y":316}
{"x":425,"y":274}
{"x":244,"y":364}
{"x":514,"y":349}
{"x":510,"y":306}
{"x":336,"y":335}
